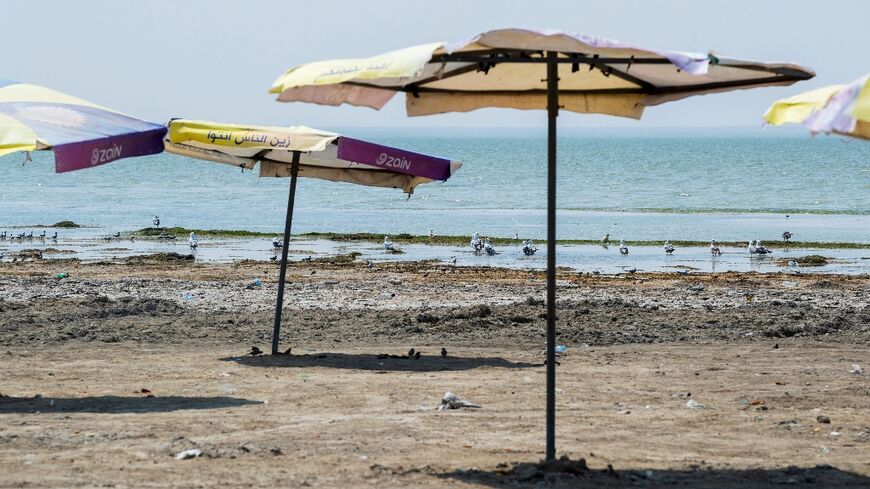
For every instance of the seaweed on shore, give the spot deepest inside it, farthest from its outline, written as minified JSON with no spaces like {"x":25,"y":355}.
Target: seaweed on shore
{"x":48,"y":251}
{"x":65,"y":224}
{"x":341,"y":258}
{"x":180,"y":231}
{"x":155,"y":258}
{"x":805,"y":261}
{"x":59,"y":224}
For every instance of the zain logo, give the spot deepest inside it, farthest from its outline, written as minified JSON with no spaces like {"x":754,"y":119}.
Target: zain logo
{"x":394,"y":161}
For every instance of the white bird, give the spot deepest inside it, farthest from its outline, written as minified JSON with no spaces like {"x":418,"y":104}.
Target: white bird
{"x":156,"y":221}
{"x":760,"y":248}
{"x":476,"y":243}
{"x":192,"y":240}
{"x":388,"y":245}
{"x":669,"y":248}
{"x":277,"y":243}
{"x":431,"y":233}
{"x":488,"y":247}
{"x":751,"y":247}
{"x":3,"y":235}
{"x":714,"y":248}
{"x":623,"y":250}
{"x":529,"y":247}
{"x":452,"y":401}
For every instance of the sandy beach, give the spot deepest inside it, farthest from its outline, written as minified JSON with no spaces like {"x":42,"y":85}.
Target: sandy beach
{"x":582,"y":245}
{"x":111,"y":372}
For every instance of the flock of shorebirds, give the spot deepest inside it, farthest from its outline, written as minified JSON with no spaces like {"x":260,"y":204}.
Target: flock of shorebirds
{"x":28,"y":236}
{"x":484,"y":246}
{"x":479,"y":246}
{"x":754,"y":247}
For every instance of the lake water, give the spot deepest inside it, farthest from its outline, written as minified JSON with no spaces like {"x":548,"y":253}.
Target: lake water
{"x":677,"y":184}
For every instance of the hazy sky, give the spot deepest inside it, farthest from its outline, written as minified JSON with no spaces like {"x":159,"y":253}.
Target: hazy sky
{"x":215,"y":60}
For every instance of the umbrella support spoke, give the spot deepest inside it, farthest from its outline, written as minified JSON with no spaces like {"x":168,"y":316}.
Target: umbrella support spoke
{"x":552,"y":113}
{"x":282,"y":275}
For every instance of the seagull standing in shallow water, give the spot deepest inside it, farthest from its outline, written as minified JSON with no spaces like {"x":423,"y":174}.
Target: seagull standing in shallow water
{"x":714,"y":248}
{"x":192,"y":240}
{"x":476,"y":243}
{"x":388,"y":245}
{"x":529,"y":247}
{"x":156,"y":222}
{"x":669,"y":248}
{"x":277,"y":243}
{"x":623,"y":250}
{"x":760,"y":248}
{"x":488,"y":247}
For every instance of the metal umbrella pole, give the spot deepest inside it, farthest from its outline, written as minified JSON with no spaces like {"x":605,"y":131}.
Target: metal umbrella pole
{"x":552,"y":113}
{"x":294,"y":172}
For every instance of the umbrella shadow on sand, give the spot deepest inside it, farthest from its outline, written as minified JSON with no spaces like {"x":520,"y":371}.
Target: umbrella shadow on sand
{"x":368,"y":361}
{"x":533,"y":475}
{"x":117,"y":404}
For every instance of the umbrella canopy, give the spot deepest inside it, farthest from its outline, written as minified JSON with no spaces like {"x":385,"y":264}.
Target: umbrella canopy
{"x":530,"y":69}
{"x":324,"y":155}
{"x":81,"y":133}
{"x":304,"y":152}
{"x":839,"y":109}
{"x":503,"y":68}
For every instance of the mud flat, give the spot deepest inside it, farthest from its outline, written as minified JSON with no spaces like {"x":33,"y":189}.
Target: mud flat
{"x":109,"y":373}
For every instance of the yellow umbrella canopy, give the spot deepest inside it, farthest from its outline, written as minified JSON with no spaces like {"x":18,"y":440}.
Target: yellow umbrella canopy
{"x":505,"y":68}
{"x":530,"y":69}
{"x":838,"y":109}
{"x":797,"y":108}
{"x":322,"y":154}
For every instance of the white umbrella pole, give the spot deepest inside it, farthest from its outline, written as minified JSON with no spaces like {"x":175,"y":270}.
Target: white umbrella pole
{"x":294,"y":171}
{"x":552,"y":113}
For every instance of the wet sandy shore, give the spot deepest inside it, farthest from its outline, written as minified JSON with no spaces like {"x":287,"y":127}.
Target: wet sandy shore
{"x":156,"y":301}
{"x":768,"y":356}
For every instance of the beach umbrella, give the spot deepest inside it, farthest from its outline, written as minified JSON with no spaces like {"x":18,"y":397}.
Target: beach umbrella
{"x":304,"y":152}
{"x":80,"y":133}
{"x":837,"y":109}
{"x":530,"y":69}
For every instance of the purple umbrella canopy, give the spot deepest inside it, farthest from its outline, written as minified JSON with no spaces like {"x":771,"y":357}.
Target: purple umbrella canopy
{"x":80,"y":133}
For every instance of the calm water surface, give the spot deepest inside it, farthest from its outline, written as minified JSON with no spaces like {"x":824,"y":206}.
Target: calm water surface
{"x":638,"y":184}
